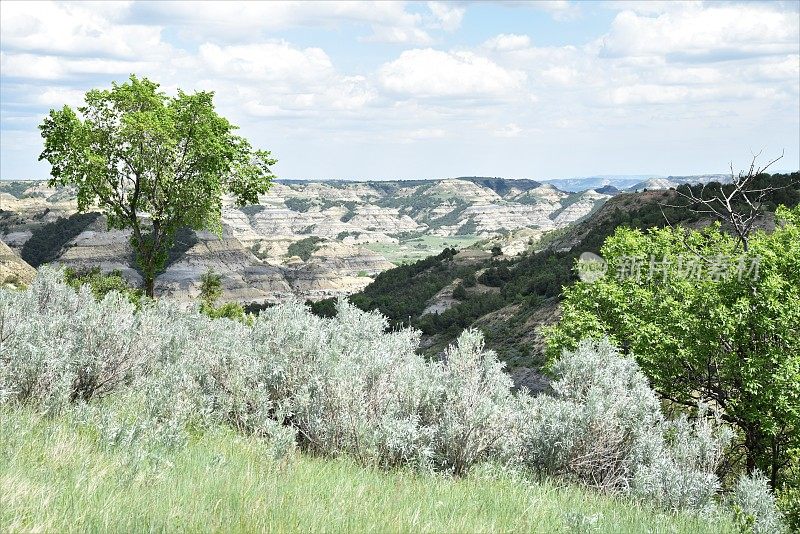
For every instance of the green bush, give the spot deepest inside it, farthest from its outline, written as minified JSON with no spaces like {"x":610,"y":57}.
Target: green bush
{"x":495,"y":276}
{"x":210,"y":291}
{"x":299,"y":204}
{"x":304,"y":248}
{"x":341,"y":235}
{"x":459,"y":293}
{"x":470,"y":227}
{"x":229,"y":310}
{"x":718,"y":335}
{"x":102,"y":284}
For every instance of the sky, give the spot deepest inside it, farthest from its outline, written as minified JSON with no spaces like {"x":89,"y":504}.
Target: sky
{"x":410,"y":90}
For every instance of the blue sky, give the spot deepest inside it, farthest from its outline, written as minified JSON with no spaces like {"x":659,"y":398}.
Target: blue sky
{"x":361,"y":90}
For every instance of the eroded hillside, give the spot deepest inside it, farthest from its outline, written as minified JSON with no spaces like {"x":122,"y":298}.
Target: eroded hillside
{"x":511,"y":297}
{"x":313,"y":240}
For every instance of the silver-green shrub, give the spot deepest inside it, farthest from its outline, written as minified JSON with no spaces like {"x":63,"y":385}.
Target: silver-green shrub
{"x":349,"y":387}
{"x":595,"y":427}
{"x":476,"y":410}
{"x":604,"y":427}
{"x":58,"y":346}
{"x":346,"y":385}
{"x":754,"y":505}
{"x":679,"y":473}
{"x":343,"y":385}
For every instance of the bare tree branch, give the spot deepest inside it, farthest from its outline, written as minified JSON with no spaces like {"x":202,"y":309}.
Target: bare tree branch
{"x":728,"y":207}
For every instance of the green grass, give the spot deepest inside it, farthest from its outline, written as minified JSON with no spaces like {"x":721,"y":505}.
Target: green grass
{"x":420,"y":247}
{"x":57,"y":477}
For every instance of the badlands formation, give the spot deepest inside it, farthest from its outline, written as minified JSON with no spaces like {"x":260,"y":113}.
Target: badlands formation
{"x":13,"y":270}
{"x":310,"y":240}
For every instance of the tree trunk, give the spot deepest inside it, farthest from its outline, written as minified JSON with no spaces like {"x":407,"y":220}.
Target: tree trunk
{"x":773,"y":476}
{"x":751,"y":443}
{"x":149,"y":286}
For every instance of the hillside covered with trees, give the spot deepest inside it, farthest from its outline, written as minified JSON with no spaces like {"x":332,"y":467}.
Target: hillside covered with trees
{"x":526,"y":286}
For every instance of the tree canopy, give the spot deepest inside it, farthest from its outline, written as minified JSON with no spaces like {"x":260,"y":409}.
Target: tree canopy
{"x":152,"y":163}
{"x":707,"y":321}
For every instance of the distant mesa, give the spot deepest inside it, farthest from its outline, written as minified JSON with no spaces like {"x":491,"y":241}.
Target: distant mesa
{"x":607,"y":190}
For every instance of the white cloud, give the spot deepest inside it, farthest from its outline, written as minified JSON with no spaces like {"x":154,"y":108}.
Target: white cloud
{"x":435,"y":73}
{"x":658,"y":67}
{"x":389,"y":21}
{"x":412,"y":136}
{"x":784,"y":69}
{"x":276,"y":79}
{"x":716,"y":32}
{"x":446,"y":15}
{"x":687,"y":75}
{"x":398,"y":34}
{"x":427,"y":133}
{"x":560,"y":75}
{"x":54,"y":97}
{"x":271,"y":61}
{"x":76,"y":29}
{"x":255,"y":80}
{"x":558,"y":9}
{"x":653,"y":94}
{"x":255,"y":108}
{"x":509,"y":130}
{"x":674,"y":57}
{"x":36,"y":67}
{"x":351,"y":93}
{"x":652,"y":7}
{"x":257,"y":16}
{"x":30,"y":66}
{"x":508,"y":41}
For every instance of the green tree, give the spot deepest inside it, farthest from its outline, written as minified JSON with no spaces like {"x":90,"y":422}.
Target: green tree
{"x":210,"y":292}
{"x":304,"y":248}
{"x":210,"y":287}
{"x":152,"y":163}
{"x":460,"y":293}
{"x":102,"y":284}
{"x":721,"y":338}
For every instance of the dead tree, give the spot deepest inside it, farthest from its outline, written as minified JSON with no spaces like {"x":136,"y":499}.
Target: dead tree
{"x":741,"y":206}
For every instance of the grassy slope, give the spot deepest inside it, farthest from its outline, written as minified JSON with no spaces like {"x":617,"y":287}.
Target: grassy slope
{"x":420,"y":247}
{"x":54,"y":477}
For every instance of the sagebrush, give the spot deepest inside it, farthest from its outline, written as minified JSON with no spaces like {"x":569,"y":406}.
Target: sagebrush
{"x":347,"y":386}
